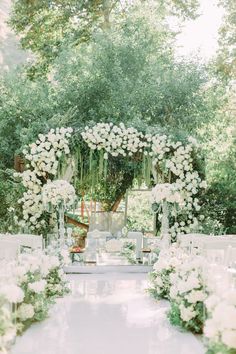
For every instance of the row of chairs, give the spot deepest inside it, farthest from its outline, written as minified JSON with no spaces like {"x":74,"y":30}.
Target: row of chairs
{"x":11,"y":245}
{"x":221,"y":248}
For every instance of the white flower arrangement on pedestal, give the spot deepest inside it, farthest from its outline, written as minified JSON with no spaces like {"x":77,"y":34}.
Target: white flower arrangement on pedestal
{"x":58,"y":193}
{"x":220,"y":326}
{"x":168,"y":262}
{"x":188,"y":292}
{"x":166,"y":192}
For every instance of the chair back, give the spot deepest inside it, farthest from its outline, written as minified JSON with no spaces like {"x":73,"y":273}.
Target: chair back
{"x":25,"y":240}
{"x":9,"y":250}
{"x":230,"y":256}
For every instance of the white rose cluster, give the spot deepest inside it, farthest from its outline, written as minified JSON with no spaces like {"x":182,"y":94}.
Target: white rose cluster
{"x":188,"y":292}
{"x":38,"y":286}
{"x":168,"y":262}
{"x":57,"y":193}
{"x":43,"y":160}
{"x":167,"y":192}
{"x":114,"y":139}
{"x":220,"y":327}
{"x":30,"y":282}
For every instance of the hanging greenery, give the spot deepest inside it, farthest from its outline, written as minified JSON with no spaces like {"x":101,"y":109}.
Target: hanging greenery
{"x":108,"y":158}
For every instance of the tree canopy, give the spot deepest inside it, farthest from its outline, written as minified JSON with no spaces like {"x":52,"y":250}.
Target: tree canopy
{"x":45,"y":26}
{"x":226,"y":59}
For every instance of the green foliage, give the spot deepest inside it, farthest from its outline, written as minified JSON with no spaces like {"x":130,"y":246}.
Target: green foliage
{"x":219,"y":348}
{"x":128,"y":251}
{"x":10,"y":192}
{"x":219,"y":206}
{"x":45,"y":26}
{"x":56,"y":286}
{"x":160,"y":284}
{"x":226,"y":59}
{"x":195,"y":325}
{"x":23,"y":104}
{"x":140,"y":216}
{"x":130,"y":75}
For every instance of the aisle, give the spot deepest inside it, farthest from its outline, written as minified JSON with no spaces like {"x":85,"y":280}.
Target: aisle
{"x":107,"y":314}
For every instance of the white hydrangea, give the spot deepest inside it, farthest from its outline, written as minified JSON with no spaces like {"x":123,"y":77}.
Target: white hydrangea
{"x":187,"y":313}
{"x":38,"y":286}
{"x":25,"y":312}
{"x":58,"y":192}
{"x":167,"y":192}
{"x":220,"y":327}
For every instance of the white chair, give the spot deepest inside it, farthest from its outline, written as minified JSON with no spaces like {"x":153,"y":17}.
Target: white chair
{"x":9,"y":250}
{"x":230,"y":256}
{"x":185,"y":241}
{"x":138,"y":236}
{"x":215,"y":250}
{"x":30,"y":241}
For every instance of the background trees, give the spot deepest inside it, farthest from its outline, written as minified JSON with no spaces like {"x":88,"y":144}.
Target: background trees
{"x":45,"y":26}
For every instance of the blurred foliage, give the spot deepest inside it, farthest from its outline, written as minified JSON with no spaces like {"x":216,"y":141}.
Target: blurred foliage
{"x":140,"y":216}
{"x":45,"y":26}
{"x":226,"y":58}
{"x":219,"y":141}
{"x":10,"y":192}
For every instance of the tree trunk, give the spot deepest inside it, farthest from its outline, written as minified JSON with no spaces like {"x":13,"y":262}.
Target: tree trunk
{"x":72,"y":221}
{"x":117,"y":203}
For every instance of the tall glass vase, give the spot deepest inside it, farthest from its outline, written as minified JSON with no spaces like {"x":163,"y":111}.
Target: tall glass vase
{"x":61,"y":224}
{"x":165,"y":235}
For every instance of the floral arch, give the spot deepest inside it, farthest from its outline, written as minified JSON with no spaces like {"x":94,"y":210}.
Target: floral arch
{"x":104,"y":159}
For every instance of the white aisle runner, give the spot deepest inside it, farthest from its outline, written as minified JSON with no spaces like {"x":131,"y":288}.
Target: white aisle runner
{"x":107,"y":314}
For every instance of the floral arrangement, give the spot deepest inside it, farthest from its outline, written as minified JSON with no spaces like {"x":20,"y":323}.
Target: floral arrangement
{"x":167,"y":192}
{"x":128,"y":251}
{"x":159,"y":279}
{"x":43,"y":161}
{"x":34,"y":281}
{"x":113,"y":139}
{"x":58,"y":193}
{"x":174,"y":159}
{"x":7,"y":328}
{"x":187,"y":295}
{"x":220,"y":326}
{"x":169,"y":161}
